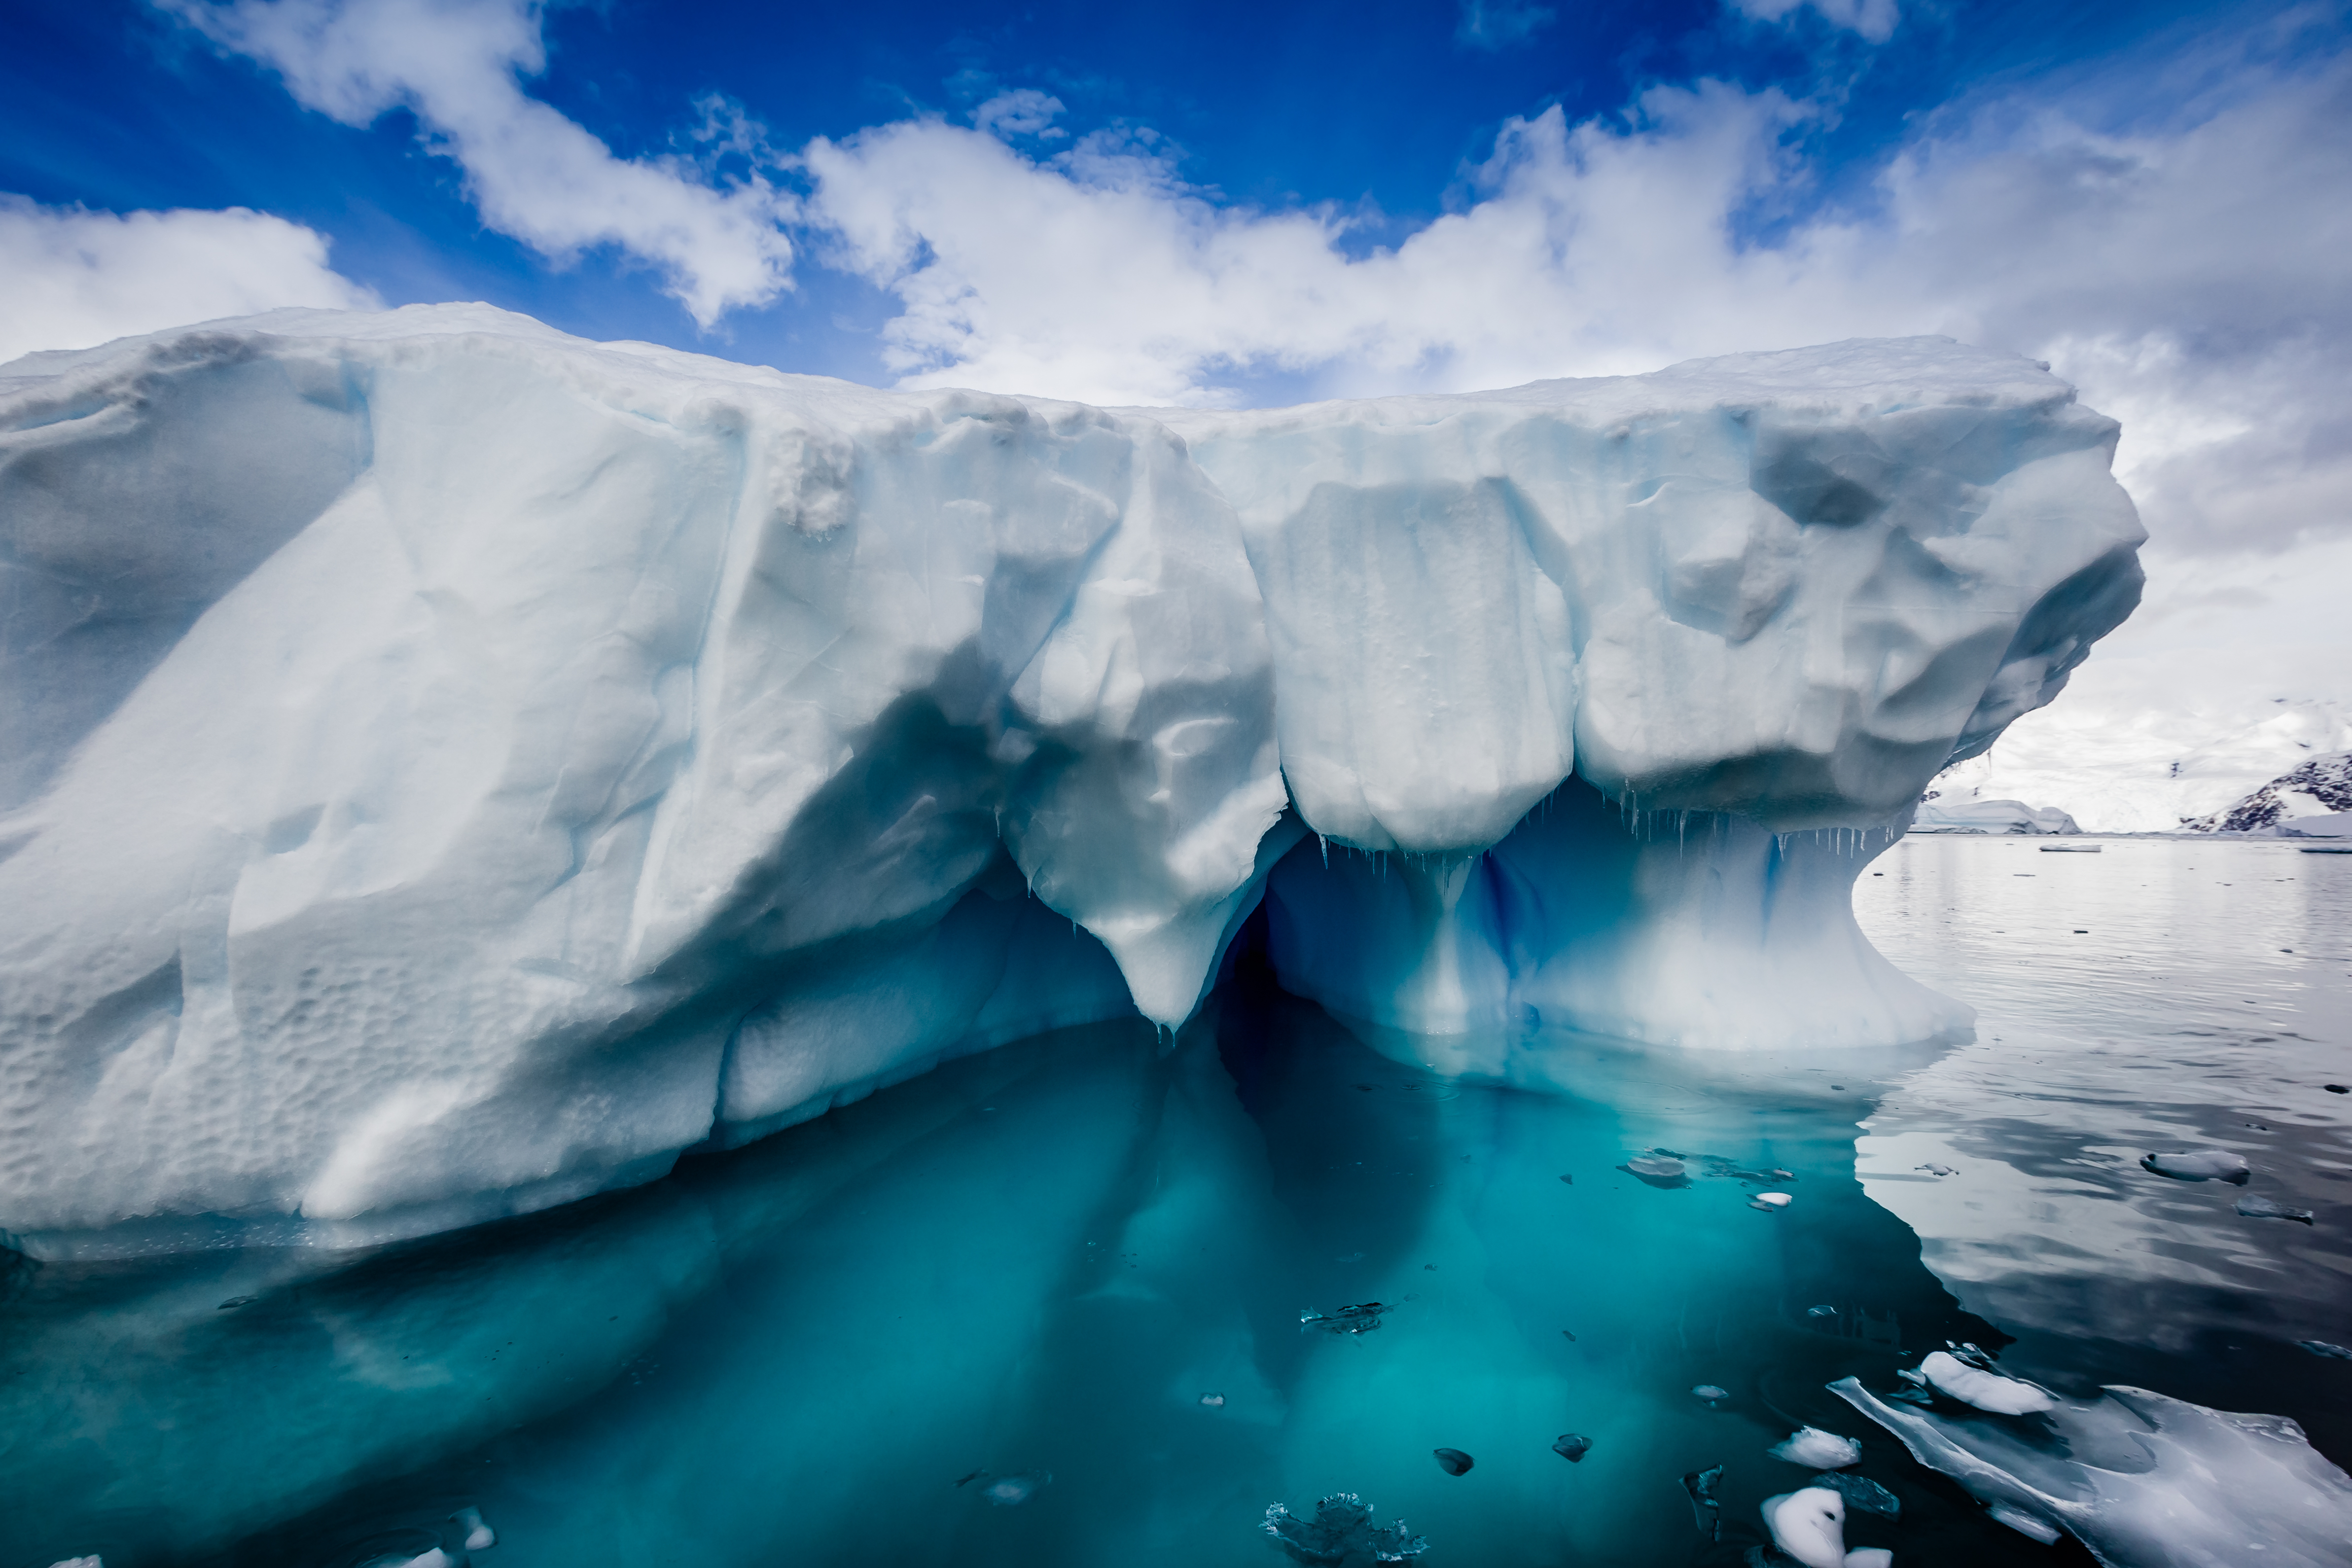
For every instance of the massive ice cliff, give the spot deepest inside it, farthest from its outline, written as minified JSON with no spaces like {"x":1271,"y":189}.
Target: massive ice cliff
{"x":454,"y":767}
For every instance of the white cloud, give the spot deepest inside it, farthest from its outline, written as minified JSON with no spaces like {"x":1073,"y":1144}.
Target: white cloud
{"x":1498,"y":23}
{"x":77,"y":278}
{"x":532,"y":173}
{"x":1023,"y":112}
{"x":1874,"y":19}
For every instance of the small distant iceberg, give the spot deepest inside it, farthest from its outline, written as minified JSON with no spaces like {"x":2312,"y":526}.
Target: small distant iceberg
{"x":1940,"y":813}
{"x":2141,"y":1480}
{"x":2200,"y":1166}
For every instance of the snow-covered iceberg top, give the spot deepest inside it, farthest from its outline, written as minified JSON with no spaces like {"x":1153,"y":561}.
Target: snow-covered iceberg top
{"x":454,"y":766}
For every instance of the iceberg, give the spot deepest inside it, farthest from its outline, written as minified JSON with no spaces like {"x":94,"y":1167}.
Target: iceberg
{"x":458,"y":768}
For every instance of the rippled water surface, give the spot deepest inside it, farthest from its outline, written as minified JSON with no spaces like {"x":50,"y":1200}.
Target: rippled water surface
{"x":1035,"y":1263}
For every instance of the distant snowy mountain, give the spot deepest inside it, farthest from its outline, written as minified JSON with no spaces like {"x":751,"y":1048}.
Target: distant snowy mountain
{"x":2135,"y":766}
{"x":2320,"y":788}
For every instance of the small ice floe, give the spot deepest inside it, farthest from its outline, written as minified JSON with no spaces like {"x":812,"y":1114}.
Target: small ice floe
{"x":1772,"y":1203}
{"x":2141,"y":1478}
{"x":1453,"y":1461}
{"x":479,"y":1536}
{"x":1213,"y":1401}
{"x":1934,"y":1169}
{"x":2321,"y":1347}
{"x":2200,"y":1166}
{"x":1710,"y":1393}
{"x":1809,"y":1526}
{"x":2253,"y":1206}
{"x":1820,"y":1312}
{"x":1657,"y":1170}
{"x":1572,"y":1447}
{"x":1012,"y":1491}
{"x":1948,"y":1374}
{"x":1342,"y":1532}
{"x":1361,"y":1319}
{"x":1706,"y":1508}
{"x":1816,"y":1449}
{"x":1858,"y":1492}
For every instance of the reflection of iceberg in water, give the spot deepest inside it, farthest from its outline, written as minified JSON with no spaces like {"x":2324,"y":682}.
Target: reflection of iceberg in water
{"x":2143,"y":1480}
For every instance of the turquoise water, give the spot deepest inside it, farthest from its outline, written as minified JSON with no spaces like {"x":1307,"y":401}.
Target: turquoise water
{"x":1037,"y":1263}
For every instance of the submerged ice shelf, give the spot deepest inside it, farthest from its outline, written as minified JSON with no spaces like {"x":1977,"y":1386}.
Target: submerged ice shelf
{"x":464,"y":767}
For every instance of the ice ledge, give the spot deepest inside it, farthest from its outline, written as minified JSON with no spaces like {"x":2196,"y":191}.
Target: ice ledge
{"x":459,"y":766}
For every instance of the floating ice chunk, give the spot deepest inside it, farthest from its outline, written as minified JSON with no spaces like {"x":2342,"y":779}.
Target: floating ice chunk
{"x":1771,"y":1200}
{"x":2256,"y":1206}
{"x":1821,"y":1312}
{"x":1213,"y":1401}
{"x":79,"y":1563}
{"x":1948,"y":1374}
{"x":1809,"y":1526}
{"x":1357,"y":1319}
{"x":1817,"y":1450}
{"x":1657,"y":1170}
{"x":1453,"y":1461}
{"x":479,"y":1536}
{"x":1572,"y":1447}
{"x":1710,"y":1391}
{"x":1012,"y":1491}
{"x":1859,"y":1493}
{"x":2144,"y":1480}
{"x":2200,"y":1166}
{"x":2322,"y":1348}
{"x":1342,"y":1532}
{"x":1706,"y":1508}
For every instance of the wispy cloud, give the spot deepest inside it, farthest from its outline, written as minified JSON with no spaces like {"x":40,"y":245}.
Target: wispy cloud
{"x":1874,"y":19}
{"x":535,"y":174}
{"x":1499,"y":24}
{"x":77,"y":278}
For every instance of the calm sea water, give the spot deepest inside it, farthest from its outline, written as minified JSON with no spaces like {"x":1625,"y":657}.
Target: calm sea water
{"x":1035,"y":1265}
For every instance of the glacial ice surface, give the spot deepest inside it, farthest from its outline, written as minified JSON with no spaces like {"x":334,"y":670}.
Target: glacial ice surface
{"x":456,"y":767}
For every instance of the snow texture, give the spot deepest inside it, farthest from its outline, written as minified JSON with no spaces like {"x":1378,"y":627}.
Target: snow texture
{"x":2301,"y":801}
{"x":456,"y":767}
{"x":2143,"y":1480}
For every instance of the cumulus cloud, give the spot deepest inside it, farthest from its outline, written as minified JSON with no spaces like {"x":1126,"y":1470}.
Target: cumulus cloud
{"x":77,"y":278}
{"x":535,"y":174}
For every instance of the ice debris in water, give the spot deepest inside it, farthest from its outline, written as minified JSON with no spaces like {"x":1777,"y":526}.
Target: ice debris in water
{"x":1572,"y":1447}
{"x":1948,"y":1374}
{"x":1012,"y":1491}
{"x":1453,"y":1461}
{"x":2256,"y":1206}
{"x":1657,"y":1170}
{"x":1860,"y":1492}
{"x":1342,"y":1532}
{"x":2144,"y":1480}
{"x":1770,"y":1201}
{"x":1817,"y":1450}
{"x":1823,"y":1311}
{"x":1361,"y":1319}
{"x":1710,"y":1391}
{"x":79,"y":1563}
{"x":1213,"y":1401}
{"x":479,"y":1536}
{"x":1706,"y":1510}
{"x":2321,"y":1347}
{"x":1935,"y":1169}
{"x":2200,"y":1166}
{"x":1809,"y":1526}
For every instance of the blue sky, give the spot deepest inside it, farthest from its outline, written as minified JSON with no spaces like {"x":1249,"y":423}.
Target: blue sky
{"x":1254,"y":203}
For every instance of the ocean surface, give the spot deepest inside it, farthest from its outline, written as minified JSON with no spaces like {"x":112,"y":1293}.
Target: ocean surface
{"x":1043,"y":1307}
